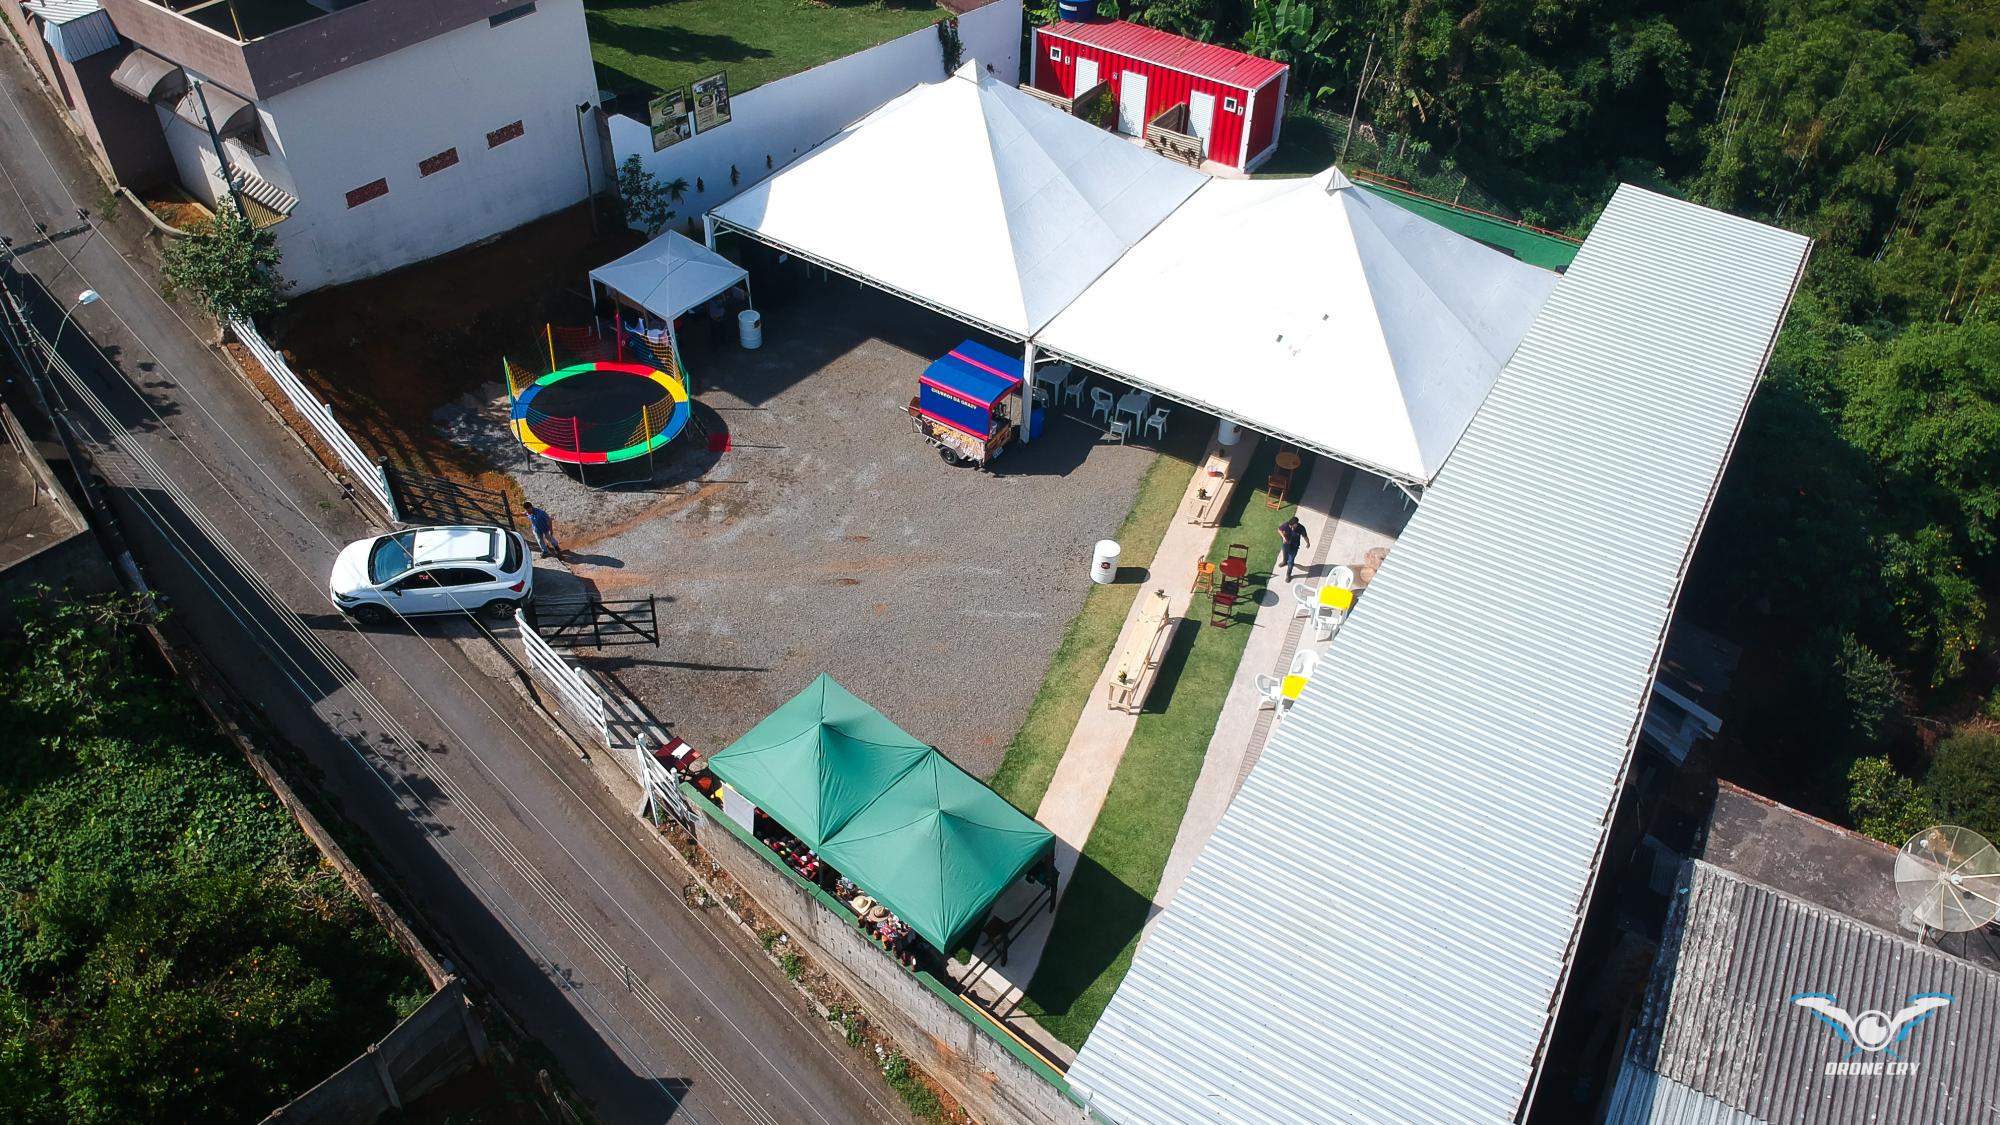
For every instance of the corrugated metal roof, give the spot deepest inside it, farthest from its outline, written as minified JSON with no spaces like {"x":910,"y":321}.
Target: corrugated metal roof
{"x":1644,"y":1098}
{"x":1718,"y":1019}
{"x":1163,"y":48}
{"x":63,"y":11}
{"x":1381,"y":925}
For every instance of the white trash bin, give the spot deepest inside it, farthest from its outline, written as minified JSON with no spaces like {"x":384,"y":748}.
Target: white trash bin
{"x":1227,"y":434}
{"x":750,"y":328}
{"x":1104,"y":562}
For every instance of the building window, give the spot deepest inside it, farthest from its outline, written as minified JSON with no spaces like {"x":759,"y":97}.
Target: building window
{"x":1055,"y":53}
{"x":438,"y":163}
{"x":1229,"y":105}
{"x":366,"y":192}
{"x":503,"y":134}
{"x":510,"y":15}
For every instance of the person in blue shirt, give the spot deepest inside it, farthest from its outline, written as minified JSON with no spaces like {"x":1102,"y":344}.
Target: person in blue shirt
{"x":544,"y":527}
{"x":1292,"y":533}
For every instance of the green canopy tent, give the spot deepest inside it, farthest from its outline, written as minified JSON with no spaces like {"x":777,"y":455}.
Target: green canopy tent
{"x":921,"y":836}
{"x":938,"y":848}
{"x":819,"y":759}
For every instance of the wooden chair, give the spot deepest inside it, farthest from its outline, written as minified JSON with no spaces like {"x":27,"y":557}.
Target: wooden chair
{"x":1204,"y":577}
{"x":1276,"y":488}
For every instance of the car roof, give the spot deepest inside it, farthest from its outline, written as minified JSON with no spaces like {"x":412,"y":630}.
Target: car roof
{"x":453,"y":544}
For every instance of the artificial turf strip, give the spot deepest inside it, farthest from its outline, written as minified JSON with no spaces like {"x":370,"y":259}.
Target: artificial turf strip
{"x":672,"y":43}
{"x":1110,"y":894}
{"x":1031,"y":760}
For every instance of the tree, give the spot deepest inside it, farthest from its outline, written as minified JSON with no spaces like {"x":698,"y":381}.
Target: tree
{"x":1884,"y":804}
{"x":229,"y":265}
{"x":1940,"y":608}
{"x":1963,"y":783}
{"x":645,"y":200}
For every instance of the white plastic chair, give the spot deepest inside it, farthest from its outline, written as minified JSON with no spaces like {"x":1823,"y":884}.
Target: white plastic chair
{"x":1270,"y":691}
{"x":1341,"y":576}
{"x":1327,"y":622}
{"x":1305,"y":599}
{"x":1101,"y":402}
{"x":1119,"y":429}
{"x":1304,"y":662}
{"x":1073,"y":389}
{"x":1157,"y":423}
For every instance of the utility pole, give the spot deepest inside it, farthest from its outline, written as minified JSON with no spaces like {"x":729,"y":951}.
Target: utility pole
{"x":208,"y":120}
{"x":1359,"y":87}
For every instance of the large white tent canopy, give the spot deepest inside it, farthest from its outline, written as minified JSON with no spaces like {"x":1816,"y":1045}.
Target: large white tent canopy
{"x":1309,"y":309}
{"x":1313,"y":310}
{"x":971,"y":197}
{"x":670,"y":275}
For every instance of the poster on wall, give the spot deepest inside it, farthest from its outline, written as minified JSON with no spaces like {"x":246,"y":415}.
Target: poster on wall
{"x":668,"y":114}
{"x":711,"y":102}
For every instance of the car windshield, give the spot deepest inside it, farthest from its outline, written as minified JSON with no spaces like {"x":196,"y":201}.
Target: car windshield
{"x":391,"y":556}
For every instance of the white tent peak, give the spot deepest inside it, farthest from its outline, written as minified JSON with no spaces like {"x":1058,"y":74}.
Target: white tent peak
{"x":669,"y":275}
{"x":1329,"y":316}
{"x":972,"y":197}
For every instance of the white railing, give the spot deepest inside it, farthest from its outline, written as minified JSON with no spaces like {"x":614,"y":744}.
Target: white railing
{"x":363,"y":470}
{"x":579,"y":697}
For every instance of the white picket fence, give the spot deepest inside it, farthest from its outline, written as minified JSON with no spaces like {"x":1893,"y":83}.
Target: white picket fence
{"x":580,"y":698}
{"x":363,"y":470}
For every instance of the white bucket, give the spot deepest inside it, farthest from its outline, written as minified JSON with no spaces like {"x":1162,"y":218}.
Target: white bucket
{"x":1227,"y":434}
{"x":750,"y":328}
{"x":1104,"y":562}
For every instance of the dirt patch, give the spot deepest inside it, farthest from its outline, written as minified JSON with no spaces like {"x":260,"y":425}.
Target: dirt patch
{"x":390,"y":352}
{"x":173,"y":207}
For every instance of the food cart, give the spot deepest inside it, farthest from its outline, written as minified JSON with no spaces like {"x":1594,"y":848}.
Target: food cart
{"x":958,"y":406}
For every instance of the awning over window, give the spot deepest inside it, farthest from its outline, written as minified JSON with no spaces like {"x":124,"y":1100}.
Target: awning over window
{"x":233,"y":116}
{"x":148,"y":77}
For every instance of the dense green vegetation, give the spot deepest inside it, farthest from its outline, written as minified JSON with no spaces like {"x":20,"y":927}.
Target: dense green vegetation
{"x":1852,"y":550}
{"x":171,"y":947}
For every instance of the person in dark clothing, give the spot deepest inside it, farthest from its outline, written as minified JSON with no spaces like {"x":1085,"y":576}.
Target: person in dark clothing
{"x":544,"y":526}
{"x":717,"y":312}
{"x":1293,"y":534}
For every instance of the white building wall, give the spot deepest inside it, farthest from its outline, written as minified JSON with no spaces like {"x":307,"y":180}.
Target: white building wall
{"x":379,"y":119}
{"x":781,"y":121}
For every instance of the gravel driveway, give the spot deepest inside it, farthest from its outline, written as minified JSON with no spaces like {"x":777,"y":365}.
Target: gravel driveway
{"x":831,"y":538}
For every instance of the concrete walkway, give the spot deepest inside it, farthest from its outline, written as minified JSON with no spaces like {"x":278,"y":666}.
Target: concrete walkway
{"x":1369,"y":520}
{"x":1069,"y":808}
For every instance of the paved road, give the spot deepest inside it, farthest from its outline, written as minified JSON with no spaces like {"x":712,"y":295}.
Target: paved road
{"x":506,"y":844}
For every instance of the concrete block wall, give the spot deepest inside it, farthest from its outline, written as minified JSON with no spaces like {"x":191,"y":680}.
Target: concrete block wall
{"x":783,"y":120}
{"x":987,"y":1078}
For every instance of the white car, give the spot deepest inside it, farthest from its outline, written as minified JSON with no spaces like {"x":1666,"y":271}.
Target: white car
{"x":433,"y":570}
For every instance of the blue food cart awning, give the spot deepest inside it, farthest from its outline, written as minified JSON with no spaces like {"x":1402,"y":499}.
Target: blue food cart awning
{"x":976,"y":373}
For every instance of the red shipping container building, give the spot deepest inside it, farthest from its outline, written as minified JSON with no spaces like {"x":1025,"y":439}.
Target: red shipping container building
{"x":1236,"y":102}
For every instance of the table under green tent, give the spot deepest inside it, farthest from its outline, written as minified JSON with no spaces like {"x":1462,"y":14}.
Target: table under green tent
{"x":918,"y":834}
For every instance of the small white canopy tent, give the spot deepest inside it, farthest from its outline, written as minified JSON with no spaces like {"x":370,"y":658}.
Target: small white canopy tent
{"x":670,"y":275}
{"x":970,"y":197}
{"x":1314,"y":311}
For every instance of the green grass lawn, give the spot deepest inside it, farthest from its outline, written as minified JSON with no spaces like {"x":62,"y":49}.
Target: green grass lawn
{"x":660,"y":44}
{"x":1111,"y":891}
{"x":1031,"y":758}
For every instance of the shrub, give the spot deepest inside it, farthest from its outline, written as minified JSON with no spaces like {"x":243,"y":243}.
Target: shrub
{"x":1963,"y":783}
{"x":228,"y":265}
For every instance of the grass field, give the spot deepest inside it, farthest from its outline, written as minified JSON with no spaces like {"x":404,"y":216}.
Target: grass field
{"x":661,"y":44}
{"x":1032,"y":757}
{"x":1110,"y":893}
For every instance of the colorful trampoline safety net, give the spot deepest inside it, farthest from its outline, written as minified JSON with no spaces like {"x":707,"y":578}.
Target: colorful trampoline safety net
{"x":599,"y":412}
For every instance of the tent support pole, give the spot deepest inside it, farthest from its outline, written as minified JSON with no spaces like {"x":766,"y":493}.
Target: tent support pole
{"x":1027,"y":389}
{"x":708,"y":230}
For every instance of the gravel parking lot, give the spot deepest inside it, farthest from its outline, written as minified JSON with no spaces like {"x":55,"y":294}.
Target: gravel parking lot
{"x":832,"y":538}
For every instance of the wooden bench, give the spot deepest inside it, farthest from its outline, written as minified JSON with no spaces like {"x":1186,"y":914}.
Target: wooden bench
{"x":1131,"y":676}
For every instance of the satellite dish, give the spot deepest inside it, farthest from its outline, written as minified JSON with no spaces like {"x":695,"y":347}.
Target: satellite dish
{"x":1949,"y":878}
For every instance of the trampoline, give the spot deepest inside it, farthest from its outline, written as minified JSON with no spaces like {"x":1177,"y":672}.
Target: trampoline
{"x":601,"y":412}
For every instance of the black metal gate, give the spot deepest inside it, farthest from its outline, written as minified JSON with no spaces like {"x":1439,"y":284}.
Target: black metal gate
{"x":423,"y":498}
{"x":599,"y":623}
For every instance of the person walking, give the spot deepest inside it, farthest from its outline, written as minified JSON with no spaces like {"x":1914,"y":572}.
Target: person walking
{"x":544,"y":526}
{"x":1293,"y":534}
